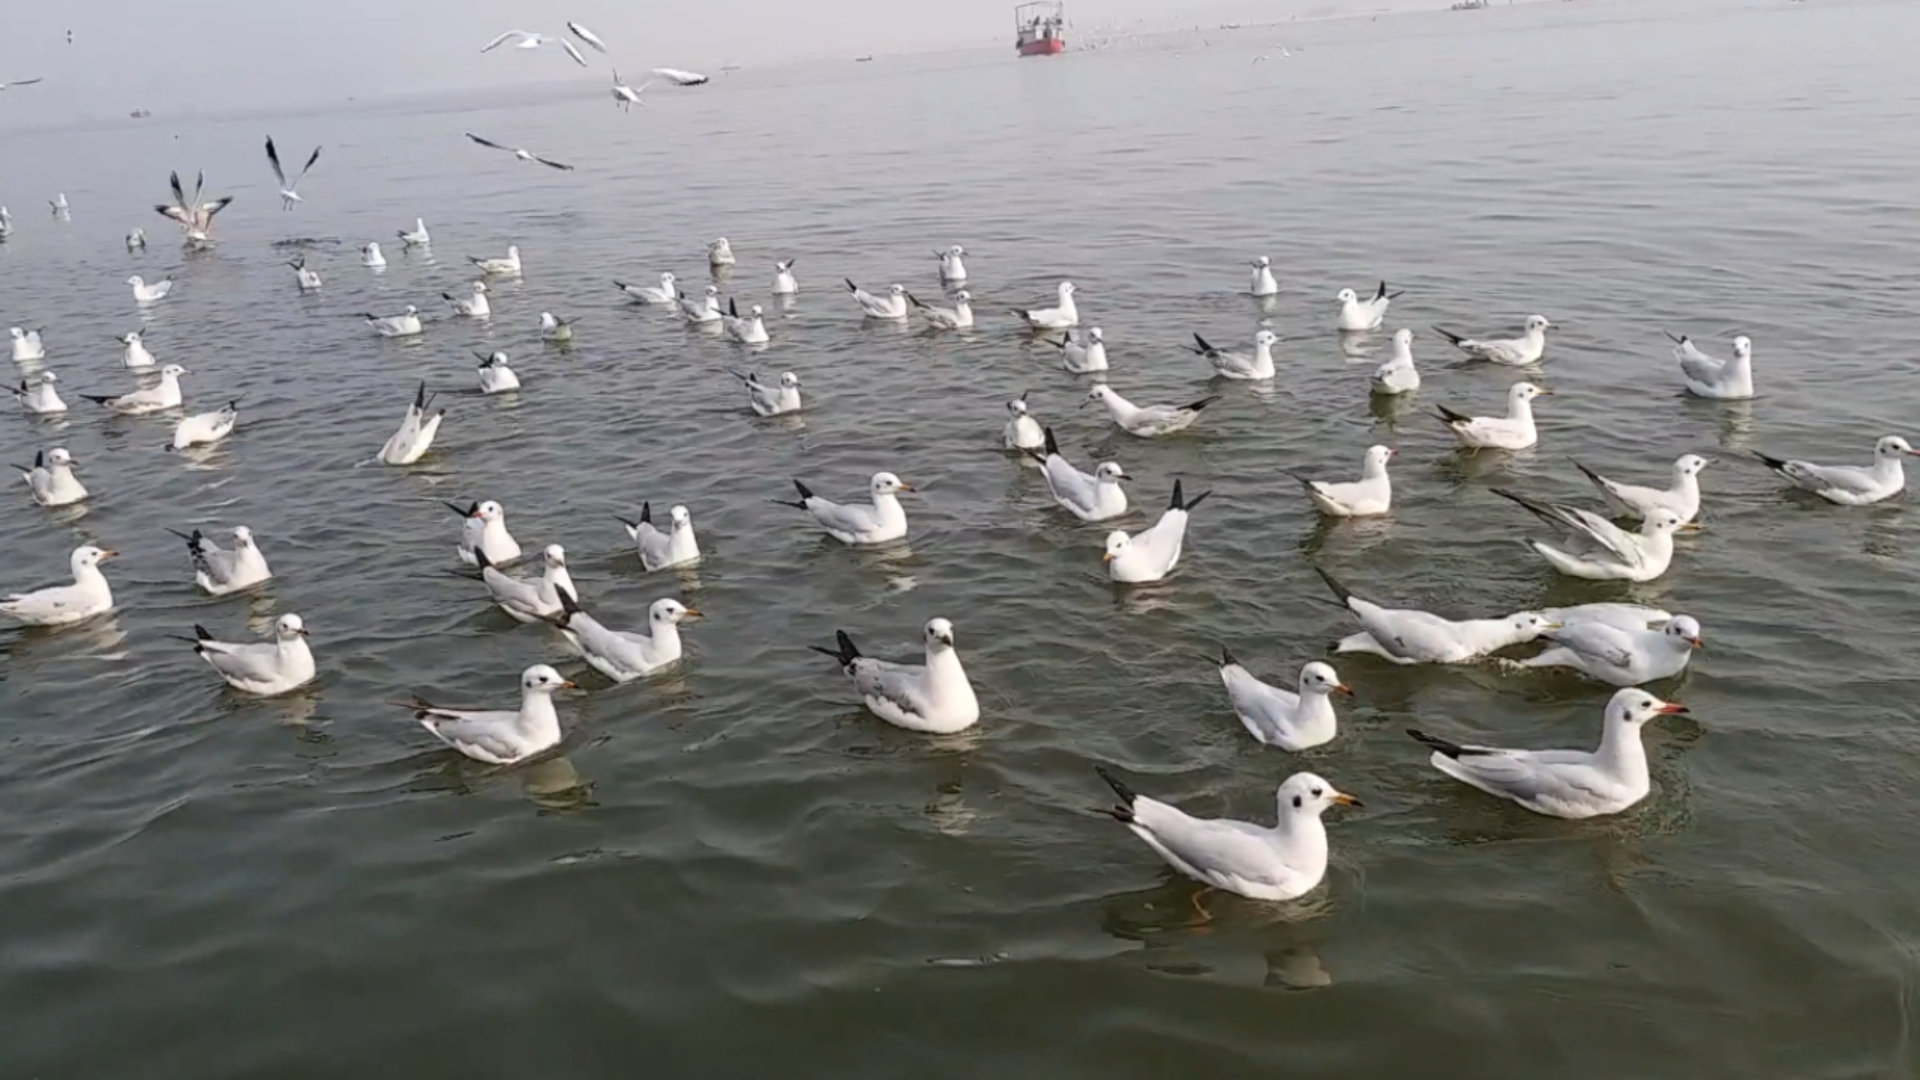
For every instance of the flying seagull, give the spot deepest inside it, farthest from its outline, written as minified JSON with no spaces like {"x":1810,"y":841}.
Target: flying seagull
{"x":678,"y":77}
{"x":194,"y":216}
{"x":288,"y":196}
{"x":519,"y":153}
{"x":587,"y":36}
{"x":627,"y":96}
{"x":22,"y":82}
{"x":532,"y":40}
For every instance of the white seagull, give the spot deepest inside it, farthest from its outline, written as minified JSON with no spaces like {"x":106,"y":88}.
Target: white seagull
{"x":1369,"y":496}
{"x":417,"y":429}
{"x":679,"y":76}
{"x":27,"y":345}
{"x":288,"y":196}
{"x":1285,"y":862}
{"x":702,"y":309}
{"x":1683,"y":497}
{"x":51,"y":478}
{"x":1564,"y":783}
{"x":147,"y":294}
{"x":500,"y":738}
{"x":528,"y":39}
{"x":1398,"y":375}
{"x":136,"y":355}
{"x":200,"y":429}
{"x":508,"y":266}
{"x":1707,"y":377}
{"x":588,"y":36}
{"x":60,"y":207}
{"x":1146,"y":421}
{"x":151,"y":399}
{"x":1522,"y":351}
{"x":495,"y":376}
{"x":59,"y":605}
{"x":1622,"y":657}
{"x":137,"y":239}
{"x":1850,"y":485}
{"x":484,"y":528}
{"x":1597,"y":549}
{"x":617,"y":654}
{"x":1228,"y":364}
{"x":1514,"y":431}
{"x":306,"y":280}
{"x":751,"y":330}
{"x":660,"y":550}
{"x":1360,"y":315}
{"x":720,"y":253}
{"x":1151,"y":553}
{"x":473,"y":305}
{"x":891,"y":306}
{"x":372,"y":257}
{"x":957,"y":317}
{"x":555,"y":330}
{"x":626,"y":97}
{"x":265,"y":668}
{"x":1284,"y":718}
{"x":219,"y":571}
{"x":405,"y":324}
{"x":784,"y":397}
{"x":1084,"y":355}
{"x":1059,"y":317}
{"x":783,"y":282}
{"x":1263,"y":283}
{"x":418,"y":236}
{"x":668,"y":292}
{"x":1411,"y":636}
{"x":194,"y":217}
{"x":1022,"y":432}
{"x":39,"y":396}
{"x":528,"y":601}
{"x":1095,"y":496}
{"x":522,"y":155}
{"x":6,"y":224}
{"x":952,"y":268}
{"x":882,"y":522}
{"x":935,"y":697}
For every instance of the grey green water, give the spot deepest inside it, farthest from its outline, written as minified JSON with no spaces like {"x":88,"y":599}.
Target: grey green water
{"x":733,"y":871}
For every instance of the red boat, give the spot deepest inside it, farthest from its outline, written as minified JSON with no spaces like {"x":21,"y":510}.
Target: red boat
{"x":1040,"y":28}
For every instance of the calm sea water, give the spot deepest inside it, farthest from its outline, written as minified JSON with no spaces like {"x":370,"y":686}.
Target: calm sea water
{"x":733,"y":870}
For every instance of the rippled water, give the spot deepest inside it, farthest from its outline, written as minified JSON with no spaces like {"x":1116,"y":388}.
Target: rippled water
{"x":735,"y":870}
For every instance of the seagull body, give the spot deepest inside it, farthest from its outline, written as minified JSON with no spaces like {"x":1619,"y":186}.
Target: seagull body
{"x":882,"y":522}
{"x":59,"y":605}
{"x":1152,"y":553}
{"x":891,"y":306}
{"x":680,"y":77}
{"x":500,"y":738}
{"x":1570,"y":784}
{"x":1282,"y":863}
{"x":719,"y":253}
{"x":265,"y":668}
{"x":27,"y":345}
{"x":1146,"y":421}
{"x":1283,"y":718}
{"x":953,"y":268}
{"x":508,"y":266}
{"x":1082,"y":356}
{"x":147,"y":294}
{"x":626,"y":97}
{"x":194,"y":217}
{"x":1850,"y":485}
{"x":59,"y":205}
{"x":201,"y":429}
{"x":136,"y":356}
{"x":1622,"y":616}
{"x":660,"y":550}
{"x":783,"y":282}
{"x":1597,"y":549}
{"x":405,"y":324}
{"x":617,"y":654}
{"x":1621,"y":657}
{"x":495,"y":376}
{"x":555,"y":330}
{"x":1059,"y":317}
{"x":1256,"y":365}
{"x":751,"y":330}
{"x":935,"y":697}
{"x":1369,"y":496}
{"x":701,"y":310}
{"x":1360,"y":315}
{"x":1707,"y":377}
{"x":1022,"y":432}
{"x":474,"y":305}
{"x":1095,"y":496}
{"x":1263,"y":283}
{"x":667,"y":293}
{"x":588,"y":36}
{"x":1398,"y":375}
{"x":485,"y":530}
{"x":1522,"y":351}
{"x":137,"y":240}
{"x":1411,"y":636}
{"x":416,"y":236}
{"x":519,"y":154}
{"x":528,"y":39}
{"x":1626,"y":500}
{"x":417,"y":429}
{"x":51,"y":479}
{"x":1514,"y":431}
{"x":766,"y":400}
{"x":6,"y":224}
{"x":288,"y":196}
{"x":39,"y":397}
{"x":957,"y":317}
{"x":372,"y":257}
{"x":528,"y":601}
{"x":306,"y":280}
{"x":219,"y":571}
{"x":21,"y":82}
{"x":150,"y":399}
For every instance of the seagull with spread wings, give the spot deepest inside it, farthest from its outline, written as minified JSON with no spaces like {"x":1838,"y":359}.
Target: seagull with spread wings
{"x":288,"y":196}
{"x":529,"y":39}
{"x":519,"y":153}
{"x":194,"y":216}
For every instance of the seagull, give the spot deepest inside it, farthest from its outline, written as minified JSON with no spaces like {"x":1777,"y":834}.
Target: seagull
{"x":1257,"y":365}
{"x":1570,"y":784}
{"x":528,"y":39}
{"x":473,"y":305}
{"x":6,"y":224}
{"x":307,"y":280}
{"x":1084,"y":355}
{"x":891,"y":306}
{"x":371,"y":256}
{"x":500,"y":738}
{"x":588,"y":36}
{"x":40,"y":397}
{"x":1398,"y":375}
{"x":1850,"y":485}
{"x":626,"y":97}
{"x":152,"y":399}
{"x":957,"y":317}
{"x":265,"y":668}
{"x":1059,"y":317}
{"x":1369,"y":496}
{"x":51,"y":478}
{"x":1152,"y":553}
{"x":935,"y":697}
{"x":1626,"y":500}
{"x":706,"y":309}
{"x":510,"y":265}
{"x":485,"y":529}
{"x":194,"y":217}
{"x":1514,"y":431}
{"x":783,"y":283}
{"x":528,"y":601}
{"x":882,"y":522}
{"x":21,"y":82}
{"x":288,"y":196}
{"x":1727,"y":380}
{"x":661,"y":550}
{"x":520,"y":154}
{"x":416,"y":236}
{"x":147,"y":294}
{"x":137,"y":240}
{"x":1622,"y":616}
{"x":1622,"y":657}
{"x":771,"y":400}
{"x":679,"y":77}
{"x":1146,"y":421}
{"x":751,"y":330}
{"x":1095,"y":496}
{"x":417,"y":429}
{"x":220,"y":572}
{"x":1022,"y":432}
{"x":667,"y":293}
{"x":59,"y":605}
{"x":405,"y":324}
{"x":1512,"y":352}
{"x":719,"y":253}
{"x":1282,"y":863}
{"x":555,"y":330}
{"x":27,"y":345}
{"x":495,"y":376}
{"x":200,"y":429}
{"x":60,"y":207}
{"x":136,"y":356}
{"x":1597,"y":549}
{"x":1411,"y":636}
{"x":622,"y":656}
{"x":1263,"y":283}
{"x":1360,"y":315}
{"x":1283,"y":718}
{"x":952,"y":269}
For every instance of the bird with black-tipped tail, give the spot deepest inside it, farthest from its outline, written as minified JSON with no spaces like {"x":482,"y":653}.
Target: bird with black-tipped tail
{"x":496,"y":377}
{"x":1850,"y":485}
{"x":1596,"y":549}
{"x":618,"y":654}
{"x":703,"y":309}
{"x":499,"y":737}
{"x":891,"y":307}
{"x":474,"y":305}
{"x":1514,"y":431}
{"x":264,"y":668}
{"x":774,"y":400}
{"x":667,"y":292}
{"x":484,"y":529}
{"x":147,"y":399}
{"x":1357,"y":315}
{"x":1061,"y":316}
{"x":405,"y":324}
{"x":677,"y":546}
{"x":305,"y":279}
{"x":527,"y":601}
{"x":882,"y":522}
{"x":417,"y":429}
{"x":38,"y":395}
{"x":418,"y":236}
{"x":223,"y":571}
{"x":1522,"y":351}
{"x":1022,"y":432}
{"x":1284,"y":862}
{"x":748,"y":330}
{"x":1627,"y":500}
{"x":50,"y":478}
{"x":1290,"y":720}
{"x":1255,"y":366}
{"x":957,"y":317}
{"x":1710,"y":377}
{"x":205,"y":429}
{"x":1369,"y":496}
{"x":1146,"y":421}
{"x":555,"y":330}
{"x":1095,"y":496}
{"x":953,"y":268}
{"x":1412,"y":636}
{"x":1084,"y":354}
{"x":1152,"y":553}
{"x":783,"y":280}
{"x":935,"y":697}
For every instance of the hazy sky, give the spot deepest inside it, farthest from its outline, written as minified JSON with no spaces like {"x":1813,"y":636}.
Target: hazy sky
{"x":235,"y":55}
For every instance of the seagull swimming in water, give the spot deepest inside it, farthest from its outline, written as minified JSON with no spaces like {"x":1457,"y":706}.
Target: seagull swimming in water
{"x":147,"y":294}
{"x":1059,"y":317}
{"x":307,"y":280}
{"x":27,"y":345}
{"x":783,"y":282}
{"x":372,"y":257}
{"x":519,"y":154}
{"x":265,"y":668}
{"x":289,"y":196}
{"x":500,"y":737}
{"x":416,"y":236}
{"x":417,"y":429}
{"x":1361,"y":315}
{"x":39,"y":397}
{"x":1525,"y":350}
{"x":892,"y":306}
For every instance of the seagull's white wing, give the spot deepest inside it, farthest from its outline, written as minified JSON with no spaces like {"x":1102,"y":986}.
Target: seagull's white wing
{"x":1213,"y":848}
{"x":573,"y":52}
{"x":1597,"y":641}
{"x":833,"y":515}
{"x":254,"y":661}
{"x":496,"y":42}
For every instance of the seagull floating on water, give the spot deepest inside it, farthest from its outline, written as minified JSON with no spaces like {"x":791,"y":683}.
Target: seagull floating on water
{"x":1360,"y":315}
{"x":417,"y":429}
{"x":1597,"y":549}
{"x":1287,"y":719}
{"x":509,"y":265}
{"x":935,"y":697}
{"x":1228,"y":364}
{"x":484,"y":528}
{"x":704,"y":309}
{"x":957,"y":317}
{"x":891,"y":306}
{"x":1398,"y":375}
{"x":60,"y":605}
{"x":371,"y":256}
{"x":783,"y":282}
{"x":1707,"y":377}
{"x":1152,"y":553}
{"x":1095,"y":496}
{"x":265,"y":668}
{"x":555,"y":330}
{"x":1369,"y":496}
{"x":27,"y":346}
{"x":1850,"y":485}
{"x":519,"y":154}
{"x":1022,"y":432}
{"x":1412,"y":636}
{"x":1146,"y":421}
{"x":668,"y":291}
{"x":766,"y":400}
{"x":1683,"y":497}
{"x":660,"y":550}
{"x":528,"y":601}
{"x":147,"y":294}
{"x":51,"y":478}
{"x":137,"y":240}
{"x":416,"y":236}
{"x":1522,"y":351}
{"x":220,"y":571}
{"x":882,"y":522}
{"x":1083,"y":355}
{"x":1262,"y":283}
{"x":405,"y":324}
{"x":751,"y":330}
{"x":149,"y":399}
{"x":952,"y":267}
{"x":1059,"y":317}
{"x":719,"y":253}
{"x":1514,"y":431}
{"x":60,"y":207}
{"x":39,"y":396}
{"x":307,"y":280}
{"x":473,"y":305}
{"x":288,"y":196}
{"x":1619,"y":656}
{"x":623,"y":656}
{"x":499,"y":737}
{"x":495,"y":376}
{"x":201,"y":429}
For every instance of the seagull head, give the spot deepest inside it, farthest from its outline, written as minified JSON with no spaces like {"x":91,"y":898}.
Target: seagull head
{"x":1117,"y":545}
{"x":1305,"y":793}
{"x":1267,"y":338}
{"x":1319,"y":678}
{"x":939,"y":634}
{"x":681,"y":518}
{"x":956,"y":251}
{"x":554,"y":557}
{"x":1110,"y":472}
{"x":88,"y":556}
{"x":1664,"y":522}
{"x":1687,"y":629}
{"x":1097,"y":393}
{"x":1377,"y":458}
{"x":1690,"y":465}
{"x":1018,"y":406}
{"x":489,"y":511}
{"x":1537,"y":324}
{"x":963,"y":298}
{"x":541,"y":679}
{"x":17,"y":333}
{"x":48,"y":378}
{"x":1892,"y":446}
{"x":1743,"y":347}
{"x":1345,"y":297}
{"x":242,"y":536}
{"x":1525,"y":391}
{"x":1097,"y":334}
{"x":670,"y":612}
{"x":789,"y":381}
{"x":136,"y":281}
{"x":896,"y":290}
{"x":1632,"y":707}
{"x":667,"y":279}
{"x":548,"y":322}
{"x":1528,"y":625}
{"x":289,"y":627}
{"x":885,"y":483}
{"x":1263,"y":262}
{"x":173,"y":371}
{"x":1066,"y":289}
{"x":59,"y":456}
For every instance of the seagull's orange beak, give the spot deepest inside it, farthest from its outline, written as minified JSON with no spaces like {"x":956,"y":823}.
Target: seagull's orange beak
{"x":1343,"y":688}
{"x":570,"y":684}
{"x":1344,"y":799}
{"x":1671,"y":708}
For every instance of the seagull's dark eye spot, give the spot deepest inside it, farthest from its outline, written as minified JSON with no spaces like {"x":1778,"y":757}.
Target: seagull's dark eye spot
{"x":1316,"y":793}
{"x":1296,"y":802}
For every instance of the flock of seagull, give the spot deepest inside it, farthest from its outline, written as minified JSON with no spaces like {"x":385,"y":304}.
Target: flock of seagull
{"x":1622,"y":645}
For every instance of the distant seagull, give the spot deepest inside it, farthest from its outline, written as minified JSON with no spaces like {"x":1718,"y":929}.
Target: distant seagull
{"x":145,"y":293}
{"x":751,"y":330}
{"x":1512,"y":352}
{"x":405,"y":324}
{"x":193,"y":216}
{"x":152,"y":399}
{"x":678,"y":77}
{"x":772,"y":400}
{"x":508,"y":265}
{"x":288,"y":196}
{"x":136,"y":355}
{"x":27,"y":345}
{"x":40,"y":397}
{"x":495,"y":376}
{"x":593,"y":41}
{"x":416,"y":236}
{"x":627,"y":96}
{"x":308,"y":280}
{"x":137,"y":240}
{"x":6,"y":223}
{"x":200,"y":429}
{"x":554,"y":329}
{"x":59,"y":205}
{"x":370,"y":255}
{"x":667,"y":293}
{"x":473,"y":305}
{"x":519,"y":153}
{"x":1359,"y":315}
{"x":528,"y":39}
{"x":24,"y":82}
{"x":783,"y":282}
{"x":417,"y":429}
{"x":891,"y":306}
{"x":705,"y":309}
{"x":1398,"y":375}
{"x":1709,"y":377}
{"x":1263,"y":283}
{"x":952,"y":267}
{"x":1059,"y":317}
{"x":720,"y":253}
{"x":958,"y":317}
